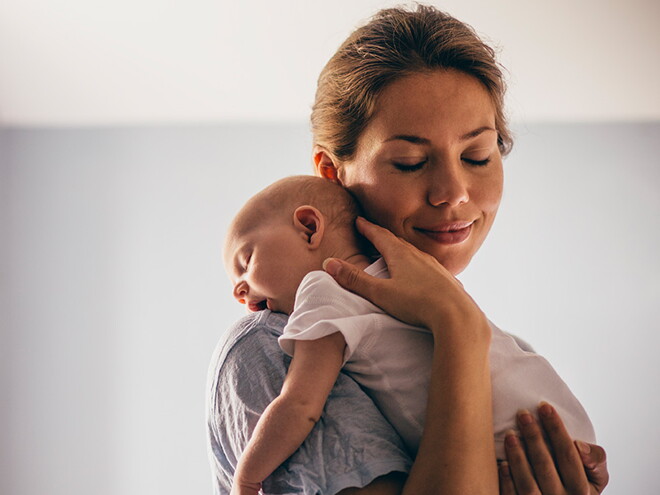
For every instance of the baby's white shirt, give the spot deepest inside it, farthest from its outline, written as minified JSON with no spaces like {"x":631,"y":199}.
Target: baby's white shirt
{"x":392,"y":361}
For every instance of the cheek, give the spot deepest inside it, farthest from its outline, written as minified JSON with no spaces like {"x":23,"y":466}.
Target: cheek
{"x":489,"y":202}
{"x":270,"y":272}
{"x":490,"y":192}
{"x":495,"y":196}
{"x":261,"y":276}
{"x":384,"y":199}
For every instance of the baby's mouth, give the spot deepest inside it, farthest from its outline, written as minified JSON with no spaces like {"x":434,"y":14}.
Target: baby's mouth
{"x":255,"y":306}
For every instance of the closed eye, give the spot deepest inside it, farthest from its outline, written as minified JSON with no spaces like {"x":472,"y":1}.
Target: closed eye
{"x":405,"y":167}
{"x":478,"y":163}
{"x":247,"y":262}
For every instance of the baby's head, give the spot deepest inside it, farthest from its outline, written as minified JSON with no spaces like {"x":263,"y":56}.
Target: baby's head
{"x":284,"y":232}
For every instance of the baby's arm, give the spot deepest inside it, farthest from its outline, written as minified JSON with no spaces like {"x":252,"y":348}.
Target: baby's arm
{"x":288,"y":420}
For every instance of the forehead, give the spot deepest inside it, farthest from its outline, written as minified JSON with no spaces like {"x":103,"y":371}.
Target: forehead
{"x":240,"y":230}
{"x":248,"y":225}
{"x":440,"y":101}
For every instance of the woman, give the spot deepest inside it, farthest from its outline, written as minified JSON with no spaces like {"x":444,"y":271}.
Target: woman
{"x":409,"y":118}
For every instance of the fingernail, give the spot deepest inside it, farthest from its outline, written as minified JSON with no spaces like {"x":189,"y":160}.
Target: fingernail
{"x":331,"y":266}
{"x":525,"y":417}
{"x":584,"y":447}
{"x":504,"y":469}
{"x":511,"y":439}
{"x":545,"y":410}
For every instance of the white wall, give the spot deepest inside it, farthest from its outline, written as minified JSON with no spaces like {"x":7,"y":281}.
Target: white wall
{"x":116,"y":293}
{"x":82,"y":62}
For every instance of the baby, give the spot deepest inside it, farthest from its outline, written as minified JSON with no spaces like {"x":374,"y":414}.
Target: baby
{"x":274,"y":254}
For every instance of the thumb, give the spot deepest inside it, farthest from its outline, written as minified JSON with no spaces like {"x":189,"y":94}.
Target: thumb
{"x":594,"y":460}
{"x":350,"y":277}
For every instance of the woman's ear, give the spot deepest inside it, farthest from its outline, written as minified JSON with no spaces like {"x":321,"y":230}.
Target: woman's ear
{"x":325,"y":164}
{"x":310,"y":222}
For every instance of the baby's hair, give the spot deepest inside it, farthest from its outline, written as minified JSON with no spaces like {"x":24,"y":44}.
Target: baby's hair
{"x":332,"y":200}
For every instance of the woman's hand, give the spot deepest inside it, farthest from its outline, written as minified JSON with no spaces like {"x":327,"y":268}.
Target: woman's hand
{"x":576,"y":467}
{"x":456,"y":452}
{"x":420,"y":291}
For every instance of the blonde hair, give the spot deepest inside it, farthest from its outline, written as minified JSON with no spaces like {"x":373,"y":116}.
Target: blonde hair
{"x":395,"y":43}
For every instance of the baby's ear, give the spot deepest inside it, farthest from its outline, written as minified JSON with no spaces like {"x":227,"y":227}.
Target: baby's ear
{"x":310,"y":223}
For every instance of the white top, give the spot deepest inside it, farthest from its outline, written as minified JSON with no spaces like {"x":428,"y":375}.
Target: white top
{"x":392,"y":361}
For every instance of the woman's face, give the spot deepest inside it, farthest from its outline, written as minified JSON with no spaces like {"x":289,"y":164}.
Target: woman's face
{"x":428,"y":167}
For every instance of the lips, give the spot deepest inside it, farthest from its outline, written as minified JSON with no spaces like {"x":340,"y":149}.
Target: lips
{"x":448,"y":233}
{"x":255,"y":306}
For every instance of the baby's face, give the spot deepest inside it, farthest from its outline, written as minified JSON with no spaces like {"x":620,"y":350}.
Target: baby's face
{"x":266,"y":264}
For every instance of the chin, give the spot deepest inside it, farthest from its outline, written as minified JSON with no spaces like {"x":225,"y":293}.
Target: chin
{"x":455,"y":269}
{"x":276,"y":308}
{"x":453,"y":264}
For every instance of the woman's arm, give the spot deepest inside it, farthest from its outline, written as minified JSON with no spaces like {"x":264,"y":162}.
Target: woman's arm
{"x":288,"y":420}
{"x":524,"y":472}
{"x":456,"y":453}
{"x":431,"y":465}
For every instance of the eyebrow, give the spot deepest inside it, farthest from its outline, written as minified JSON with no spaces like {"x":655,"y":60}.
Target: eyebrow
{"x":475,"y":133}
{"x":420,"y":140}
{"x":409,"y":138}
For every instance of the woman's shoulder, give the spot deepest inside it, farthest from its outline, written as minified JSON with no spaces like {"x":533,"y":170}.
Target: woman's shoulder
{"x":245,"y":374}
{"x":351,"y":446}
{"x":247,"y":342}
{"x":262,"y":326}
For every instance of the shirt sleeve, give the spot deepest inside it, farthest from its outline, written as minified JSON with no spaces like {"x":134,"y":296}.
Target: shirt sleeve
{"x":322,"y":308}
{"x":350,"y":446}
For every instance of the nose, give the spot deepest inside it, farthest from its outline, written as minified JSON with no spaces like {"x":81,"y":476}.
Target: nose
{"x":241,"y":291}
{"x":448,"y":184}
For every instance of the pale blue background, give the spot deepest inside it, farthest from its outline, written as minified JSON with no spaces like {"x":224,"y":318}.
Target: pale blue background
{"x":114,"y":295}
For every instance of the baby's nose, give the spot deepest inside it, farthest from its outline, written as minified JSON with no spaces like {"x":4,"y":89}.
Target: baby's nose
{"x":240,"y":291}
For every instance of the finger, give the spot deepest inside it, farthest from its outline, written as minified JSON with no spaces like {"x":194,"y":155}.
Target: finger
{"x":538,"y":454}
{"x":385,"y":242}
{"x":521,"y":471}
{"x":567,"y":458}
{"x":506,"y":483}
{"x":352,"y":278}
{"x":594,"y":460}
{"x":396,"y":251}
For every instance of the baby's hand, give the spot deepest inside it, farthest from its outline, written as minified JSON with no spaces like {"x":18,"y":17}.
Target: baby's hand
{"x":245,"y":488}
